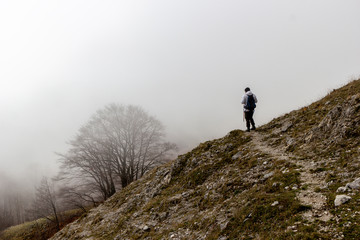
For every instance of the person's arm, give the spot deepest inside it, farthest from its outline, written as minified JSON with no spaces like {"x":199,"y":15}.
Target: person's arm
{"x":243,"y":100}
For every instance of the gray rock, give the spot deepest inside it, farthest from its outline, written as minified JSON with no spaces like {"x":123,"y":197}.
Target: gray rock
{"x":354,"y":185}
{"x":330,"y":118}
{"x":341,"y":189}
{"x":268,"y":175}
{"x":146,"y":228}
{"x":341,"y":199}
{"x":163,"y":216}
{"x":275,"y":203}
{"x":175,"y":199}
{"x":236,"y":156}
{"x":290,"y":141}
{"x":276,"y":184}
{"x":286,"y":126}
{"x":187,"y":194}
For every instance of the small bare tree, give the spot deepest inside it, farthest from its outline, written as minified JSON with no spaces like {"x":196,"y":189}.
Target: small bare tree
{"x":79,"y":196}
{"x":118,"y":145}
{"x":45,"y":203}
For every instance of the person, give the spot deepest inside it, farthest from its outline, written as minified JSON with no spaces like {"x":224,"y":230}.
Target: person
{"x":249,"y":100}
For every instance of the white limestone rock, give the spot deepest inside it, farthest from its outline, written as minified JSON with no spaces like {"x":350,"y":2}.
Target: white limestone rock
{"x":341,"y":199}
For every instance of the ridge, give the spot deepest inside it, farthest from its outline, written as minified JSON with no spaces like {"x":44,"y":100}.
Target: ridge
{"x":287,"y":180}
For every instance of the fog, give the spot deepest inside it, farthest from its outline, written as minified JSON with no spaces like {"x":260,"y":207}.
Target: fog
{"x":185,"y":62}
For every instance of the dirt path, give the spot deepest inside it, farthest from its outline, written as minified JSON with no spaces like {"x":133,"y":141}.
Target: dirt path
{"x":307,"y":194}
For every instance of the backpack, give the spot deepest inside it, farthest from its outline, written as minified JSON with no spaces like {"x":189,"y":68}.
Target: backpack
{"x":250,"y":103}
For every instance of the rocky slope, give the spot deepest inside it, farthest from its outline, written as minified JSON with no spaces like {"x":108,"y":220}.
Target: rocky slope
{"x":295,"y":178}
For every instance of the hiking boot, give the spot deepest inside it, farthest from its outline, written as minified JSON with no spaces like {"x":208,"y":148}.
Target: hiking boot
{"x":248,"y":130}
{"x":253,"y":128}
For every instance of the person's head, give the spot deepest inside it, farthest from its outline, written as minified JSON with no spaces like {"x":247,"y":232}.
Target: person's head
{"x":247,"y":89}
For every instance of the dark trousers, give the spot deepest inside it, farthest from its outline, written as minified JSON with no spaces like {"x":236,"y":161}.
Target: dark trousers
{"x":249,"y":119}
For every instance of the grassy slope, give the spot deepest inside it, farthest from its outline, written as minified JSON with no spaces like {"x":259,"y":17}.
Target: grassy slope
{"x":219,"y":196}
{"x":209,"y":187}
{"x":308,"y":117}
{"x":38,"y":229}
{"x":334,"y":148}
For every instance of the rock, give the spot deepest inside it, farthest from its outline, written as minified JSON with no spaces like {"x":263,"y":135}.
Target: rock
{"x":341,"y":199}
{"x":275,"y":203}
{"x":163,"y":216}
{"x":268,"y":175}
{"x":341,"y":189}
{"x":309,"y":136}
{"x":172,"y":236}
{"x":290,"y":141}
{"x":175,"y":199}
{"x":354,"y":185}
{"x":223,"y":225}
{"x":330,"y":118}
{"x":146,"y":228}
{"x":247,"y":217}
{"x":236,"y":156}
{"x":187,"y":194}
{"x":286,"y":126}
{"x":276,"y":184}
{"x":167,"y":178}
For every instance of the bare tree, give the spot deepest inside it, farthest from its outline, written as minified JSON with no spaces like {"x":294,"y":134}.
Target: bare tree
{"x":79,"y":196}
{"x":87,"y":163}
{"x":45,"y":203}
{"x":118,"y":145}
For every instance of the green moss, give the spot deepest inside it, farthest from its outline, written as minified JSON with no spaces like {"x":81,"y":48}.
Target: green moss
{"x":352,"y":232}
{"x":331,"y":177}
{"x":260,"y":216}
{"x":289,"y":178}
{"x":198,"y":176}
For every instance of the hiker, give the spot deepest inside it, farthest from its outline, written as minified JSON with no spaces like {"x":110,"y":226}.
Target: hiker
{"x":249,"y":100}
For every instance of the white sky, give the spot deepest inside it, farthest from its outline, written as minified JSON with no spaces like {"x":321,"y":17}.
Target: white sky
{"x":185,"y":61}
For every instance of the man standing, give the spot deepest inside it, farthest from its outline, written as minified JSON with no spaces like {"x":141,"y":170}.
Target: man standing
{"x":249,"y":100}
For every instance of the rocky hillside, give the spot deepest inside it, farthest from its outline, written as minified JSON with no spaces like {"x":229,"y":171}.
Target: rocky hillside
{"x":297,"y":177}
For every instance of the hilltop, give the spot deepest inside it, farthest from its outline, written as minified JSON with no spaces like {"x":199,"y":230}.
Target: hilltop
{"x":280,"y":182}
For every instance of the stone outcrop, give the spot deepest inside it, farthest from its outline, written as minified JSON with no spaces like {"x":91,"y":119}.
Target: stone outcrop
{"x":339,"y":123}
{"x":341,"y":199}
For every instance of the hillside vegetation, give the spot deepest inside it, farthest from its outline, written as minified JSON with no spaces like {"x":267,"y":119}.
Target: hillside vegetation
{"x":40,"y":229}
{"x":280,"y":182}
{"x":297,"y":177}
